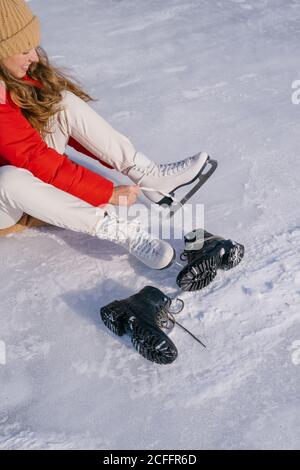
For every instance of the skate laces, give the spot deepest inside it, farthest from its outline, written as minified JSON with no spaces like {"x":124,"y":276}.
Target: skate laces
{"x":130,"y":233}
{"x":165,"y":169}
{"x":165,"y":317}
{"x":169,"y":169}
{"x":161,"y":170}
{"x":143,"y":243}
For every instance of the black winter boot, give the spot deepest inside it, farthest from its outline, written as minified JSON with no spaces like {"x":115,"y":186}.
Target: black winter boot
{"x":205,"y":253}
{"x":142,"y":316}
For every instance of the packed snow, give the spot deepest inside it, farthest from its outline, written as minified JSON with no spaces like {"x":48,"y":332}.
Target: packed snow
{"x":176,"y":77}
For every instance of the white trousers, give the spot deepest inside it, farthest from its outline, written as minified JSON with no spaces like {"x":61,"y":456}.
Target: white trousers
{"x":21,"y":191}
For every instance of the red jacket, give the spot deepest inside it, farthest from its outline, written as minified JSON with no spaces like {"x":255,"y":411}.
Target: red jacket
{"x":22,"y":146}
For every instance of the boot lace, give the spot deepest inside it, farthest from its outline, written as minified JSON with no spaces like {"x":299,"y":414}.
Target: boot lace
{"x":165,"y":317}
{"x":132,"y":234}
{"x":169,"y":169}
{"x":166,"y":169}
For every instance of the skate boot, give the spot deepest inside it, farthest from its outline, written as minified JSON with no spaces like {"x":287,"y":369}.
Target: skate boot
{"x":162,"y":181}
{"x":205,"y":253}
{"x":154,"y":253}
{"x":142,"y":316}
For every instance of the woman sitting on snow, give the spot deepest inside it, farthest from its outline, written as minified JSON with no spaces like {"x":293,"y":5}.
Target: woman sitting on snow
{"x":41,"y":112}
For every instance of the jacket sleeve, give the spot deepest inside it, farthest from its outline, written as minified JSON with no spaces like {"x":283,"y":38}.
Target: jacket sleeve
{"x":77,"y":146}
{"x":22,"y":146}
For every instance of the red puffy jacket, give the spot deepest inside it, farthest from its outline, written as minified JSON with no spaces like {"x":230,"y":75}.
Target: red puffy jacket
{"x":22,"y":146}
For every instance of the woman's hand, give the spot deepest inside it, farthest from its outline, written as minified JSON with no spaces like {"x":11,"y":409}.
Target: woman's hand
{"x":124,"y":195}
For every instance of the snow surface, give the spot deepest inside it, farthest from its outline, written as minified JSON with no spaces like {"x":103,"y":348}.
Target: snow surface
{"x":176,"y":77}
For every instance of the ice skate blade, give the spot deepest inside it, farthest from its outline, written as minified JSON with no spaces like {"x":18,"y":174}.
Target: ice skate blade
{"x":201,"y":176}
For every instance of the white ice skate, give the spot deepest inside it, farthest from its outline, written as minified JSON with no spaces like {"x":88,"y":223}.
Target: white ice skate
{"x":165,"y":179}
{"x":154,"y":253}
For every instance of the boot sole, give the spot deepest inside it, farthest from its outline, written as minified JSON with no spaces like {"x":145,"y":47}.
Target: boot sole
{"x":155,"y":347}
{"x":150,"y":342}
{"x":233,"y":257}
{"x":113,"y":318}
{"x":200,"y":272}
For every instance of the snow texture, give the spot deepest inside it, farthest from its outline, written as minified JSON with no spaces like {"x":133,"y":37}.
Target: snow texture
{"x":176,"y":77}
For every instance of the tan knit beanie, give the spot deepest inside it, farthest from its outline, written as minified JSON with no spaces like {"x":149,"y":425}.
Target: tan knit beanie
{"x":19,"y":28}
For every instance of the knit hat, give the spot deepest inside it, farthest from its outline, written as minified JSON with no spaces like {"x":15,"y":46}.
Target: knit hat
{"x":19,"y":28}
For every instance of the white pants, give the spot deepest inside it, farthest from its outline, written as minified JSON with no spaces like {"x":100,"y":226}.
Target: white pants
{"x":20,"y":191}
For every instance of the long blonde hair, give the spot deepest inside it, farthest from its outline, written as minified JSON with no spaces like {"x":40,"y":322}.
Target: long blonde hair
{"x":38,"y":104}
